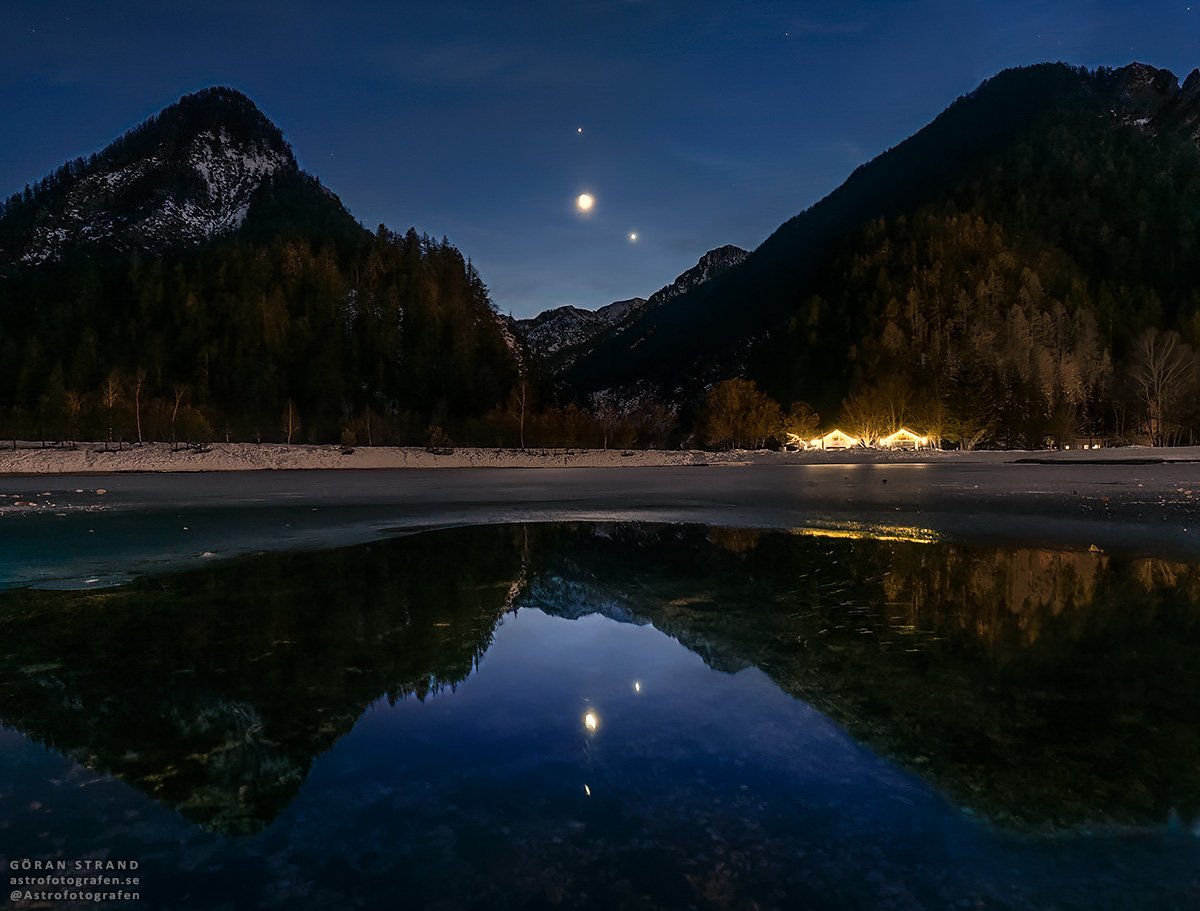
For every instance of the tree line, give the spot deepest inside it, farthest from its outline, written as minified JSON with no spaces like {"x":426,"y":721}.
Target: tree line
{"x":938,"y":320}
{"x":393,"y":335}
{"x":1047,"y":291}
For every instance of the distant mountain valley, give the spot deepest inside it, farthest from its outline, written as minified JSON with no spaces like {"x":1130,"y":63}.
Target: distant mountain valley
{"x":1023,"y":271}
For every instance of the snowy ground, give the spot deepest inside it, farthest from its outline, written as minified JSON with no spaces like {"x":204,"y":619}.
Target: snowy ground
{"x":96,"y":458}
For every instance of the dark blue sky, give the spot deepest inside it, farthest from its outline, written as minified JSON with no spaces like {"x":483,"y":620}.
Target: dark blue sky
{"x":704,"y":123}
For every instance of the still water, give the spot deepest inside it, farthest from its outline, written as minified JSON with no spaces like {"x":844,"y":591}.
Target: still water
{"x":617,"y":716}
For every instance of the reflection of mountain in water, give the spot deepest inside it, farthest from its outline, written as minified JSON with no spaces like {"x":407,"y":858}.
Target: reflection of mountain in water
{"x":1033,"y":686}
{"x":214,"y":690}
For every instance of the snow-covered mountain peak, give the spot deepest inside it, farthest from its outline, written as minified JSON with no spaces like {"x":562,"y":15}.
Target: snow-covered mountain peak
{"x":185,"y":176}
{"x":563,"y":328}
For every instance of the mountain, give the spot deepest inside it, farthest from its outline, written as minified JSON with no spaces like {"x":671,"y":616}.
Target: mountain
{"x":274,"y":657}
{"x":797,"y":607}
{"x":187,"y":175}
{"x":708,"y":267}
{"x":190,"y":280}
{"x":560,"y":336}
{"x":231,"y":748}
{"x":568,"y":328}
{"x":990,"y":273}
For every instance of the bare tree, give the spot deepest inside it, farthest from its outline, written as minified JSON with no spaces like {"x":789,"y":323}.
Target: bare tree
{"x":801,"y":422}
{"x":74,"y":406}
{"x":179,"y":391}
{"x":137,"y":385}
{"x":290,"y":422}
{"x":655,"y":425}
{"x":110,"y":397}
{"x":1163,"y":372}
{"x":518,"y":404}
{"x":871,"y":414}
{"x":609,"y":417}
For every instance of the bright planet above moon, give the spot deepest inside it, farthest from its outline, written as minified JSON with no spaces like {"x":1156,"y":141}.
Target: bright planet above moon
{"x":633,"y":236}
{"x":585,"y":202}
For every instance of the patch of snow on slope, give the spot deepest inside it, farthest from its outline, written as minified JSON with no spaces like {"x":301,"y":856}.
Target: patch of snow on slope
{"x":140,"y":203}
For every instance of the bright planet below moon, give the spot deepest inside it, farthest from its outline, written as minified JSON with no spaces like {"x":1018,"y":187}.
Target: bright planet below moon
{"x":585,"y":202}
{"x":633,"y":236}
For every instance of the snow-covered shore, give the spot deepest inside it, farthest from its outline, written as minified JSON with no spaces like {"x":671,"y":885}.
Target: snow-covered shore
{"x":96,"y":458}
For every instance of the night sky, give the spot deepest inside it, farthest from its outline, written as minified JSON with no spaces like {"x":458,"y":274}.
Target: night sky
{"x":703,"y":123}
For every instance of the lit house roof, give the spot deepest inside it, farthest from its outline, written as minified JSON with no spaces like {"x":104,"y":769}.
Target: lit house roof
{"x":835,"y":439}
{"x":904,"y":437}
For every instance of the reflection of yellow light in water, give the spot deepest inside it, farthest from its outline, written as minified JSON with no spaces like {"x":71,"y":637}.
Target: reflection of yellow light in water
{"x":590,"y":721}
{"x":637,"y":687}
{"x":587,"y":790}
{"x":872,"y":533}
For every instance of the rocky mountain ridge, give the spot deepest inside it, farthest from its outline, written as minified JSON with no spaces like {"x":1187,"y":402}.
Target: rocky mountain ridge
{"x":552,"y":331}
{"x":559,"y":336}
{"x":1152,"y":99}
{"x":708,"y":267}
{"x":188,"y":175}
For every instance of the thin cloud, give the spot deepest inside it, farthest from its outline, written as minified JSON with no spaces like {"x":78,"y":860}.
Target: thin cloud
{"x":827,"y":28}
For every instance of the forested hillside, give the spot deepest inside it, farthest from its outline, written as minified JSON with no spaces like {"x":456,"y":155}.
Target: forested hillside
{"x":190,"y":282}
{"x":1023,"y":270}
{"x":1011,"y":273}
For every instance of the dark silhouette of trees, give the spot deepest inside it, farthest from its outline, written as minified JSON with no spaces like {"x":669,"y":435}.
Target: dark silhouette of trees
{"x":394,"y":328}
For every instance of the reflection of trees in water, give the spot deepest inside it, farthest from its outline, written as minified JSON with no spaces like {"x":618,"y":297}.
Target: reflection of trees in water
{"x":1009,"y":598}
{"x":992,"y":594}
{"x":1039,"y":686}
{"x":1052,"y":687}
{"x":214,"y":690}
{"x":735,"y":540}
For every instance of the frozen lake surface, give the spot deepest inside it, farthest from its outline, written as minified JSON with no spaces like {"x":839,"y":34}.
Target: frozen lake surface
{"x":56,"y":530}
